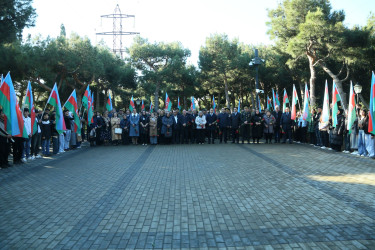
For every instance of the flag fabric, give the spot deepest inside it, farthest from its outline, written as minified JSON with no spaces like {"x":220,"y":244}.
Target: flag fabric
{"x":109,"y":103}
{"x":54,"y":100}
{"x":151,"y":107}
{"x":259,"y":105}
{"x":214,"y":103}
{"x":13,"y":123}
{"x":294,"y":103}
{"x":351,"y":109}
{"x":277,"y":99}
{"x":72,"y":106}
{"x":192,"y":106}
{"x":29,"y":102}
{"x":285,"y":100}
{"x":371,"y":124}
{"x":90,"y":110}
{"x":306,"y":106}
{"x":168,"y":104}
{"x":325,"y":112}
{"x":131,"y":105}
{"x":143,"y":106}
{"x":274,"y":99}
{"x":86,"y":97}
{"x":269,"y":103}
{"x":178,"y":104}
{"x":239,"y":106}
{"x":335,"y":107}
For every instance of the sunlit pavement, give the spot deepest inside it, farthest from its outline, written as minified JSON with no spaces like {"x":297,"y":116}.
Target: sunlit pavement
{"x":190,"y":196}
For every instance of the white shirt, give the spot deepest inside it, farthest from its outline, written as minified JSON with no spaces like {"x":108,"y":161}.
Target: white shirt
{"x":175,"y":118}
{"x":27,"y":123}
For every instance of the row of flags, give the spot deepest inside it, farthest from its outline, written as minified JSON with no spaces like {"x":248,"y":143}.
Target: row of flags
{"x":14,"y":118}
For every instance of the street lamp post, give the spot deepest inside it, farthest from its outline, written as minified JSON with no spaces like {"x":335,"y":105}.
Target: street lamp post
{"x":255,"y":62}
{"x":358,"y":90}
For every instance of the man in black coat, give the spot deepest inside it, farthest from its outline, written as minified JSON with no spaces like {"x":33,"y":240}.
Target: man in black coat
{"x":245,"y":125}
{"x":176,"y":127}
{"x":211,"y":120}
{"x":277,"y":114}
{"x":235,"y":121}
{"x":286,"y":123}
{"x":224,"y":123}
{"x":184,"y":121}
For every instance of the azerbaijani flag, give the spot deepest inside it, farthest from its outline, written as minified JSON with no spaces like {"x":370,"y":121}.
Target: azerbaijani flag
{"x":192,"y":106}
{"x":269,"y":103}
{"x":86,"y":97}
{"x":109,"y":103}
{"x":294,"y":102}
{"x":239,"y":106}
{"x":90,"y":111}
{"x":72,"y":106}
{"x":325,"y":112}
{"x":92,"y":100}
{"x":13,"y":123}
{"x":151,"y":107}
{"x":371,"y":121}
{"x":214,"y":103}
{"x":178,"y":104}
{"x":306,"y":107}
{"x":143,"y":106}
{"x":168,"y":104}
{"x":54,"y":100}
{"x":285,"y":100}
{"x":335,"y":99}
{"x":131,"y":105}
{"x":277,"y":99}
{"x":29,"y":102}
{"x":274,"y":99}
{"x":351,"y":111}
{"x":259,"y":104}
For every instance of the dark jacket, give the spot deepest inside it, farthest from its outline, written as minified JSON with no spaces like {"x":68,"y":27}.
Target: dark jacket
{"x":246,"y":116}
{"x":286,"y":121}
{"x":176,"y":125}
{"x":235,"y":120}
{"x":167,"y":121}
{"x":337,"y":132}
{"x":223,"y":120}
{"x":277,"y":116}
{"x":46,"y":128}
{"x":211,"y":121}
{"x":257,"y":129}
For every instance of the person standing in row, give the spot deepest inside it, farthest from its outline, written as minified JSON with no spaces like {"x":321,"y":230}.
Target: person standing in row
{"x":46,"y":133}
{"x":224,"y":122}
{"x":235,"y":121}
{"x":124,"y":124}
{"x":134,"y":127}
{"x":277,"y":114}
{"x":27,"y":141}
{"x":200,"y":122}
{"x":337,"y":132}
{"x":245,"y":125}
{"x":269,"y":124}
{"x":115,"y":124}
{"x":176,"y":127}
{"x":286,"y":123}
{"x":211,"y":120}
{"x":144,"y":122}
{"x":4,"y":142}
{"x":257,"y":127}
{"x":153,"y":129}
{"x":185,"y":120}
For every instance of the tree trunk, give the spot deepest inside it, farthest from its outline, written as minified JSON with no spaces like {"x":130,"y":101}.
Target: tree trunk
{"x":312,"y":81}
{"x":157,"y":86}
{"x":252,"y":101}
{"x":96,"y":103}
{"x":338,"y":82}
{"x":105,"y":98}
{"x":185,"y":103}
{"x":227,"y":100}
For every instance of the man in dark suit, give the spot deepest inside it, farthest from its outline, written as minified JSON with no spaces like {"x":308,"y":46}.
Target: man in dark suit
{"x":277,"y":114}
{"x":211,"y":125}
{"x":235,"y":120}
{"x":245,"y":125}
{"x":176,"y":128}
{"x":184,"y":121}
{"x":286,"y":123}
{"x":224,"y":123}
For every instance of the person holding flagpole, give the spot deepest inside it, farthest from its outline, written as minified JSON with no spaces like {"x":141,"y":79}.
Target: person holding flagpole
{"x":27,"y":142}
{"x":4,"y":142}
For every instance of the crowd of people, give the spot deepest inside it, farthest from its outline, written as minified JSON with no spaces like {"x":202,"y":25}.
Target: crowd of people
{"x":187,"y":127}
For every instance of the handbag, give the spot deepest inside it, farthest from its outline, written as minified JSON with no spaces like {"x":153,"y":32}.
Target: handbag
{"x":118,"y":131}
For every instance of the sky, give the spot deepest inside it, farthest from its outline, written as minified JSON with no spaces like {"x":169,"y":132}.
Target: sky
{"x":187,"y":21}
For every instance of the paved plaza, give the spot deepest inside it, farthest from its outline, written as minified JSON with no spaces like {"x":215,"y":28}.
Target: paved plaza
{"x":190,"y":196}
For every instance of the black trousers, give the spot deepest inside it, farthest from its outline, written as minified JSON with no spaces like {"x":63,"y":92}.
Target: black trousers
{"x":200,"y":135}
{"x":4,"y":151}
{"x":17,"y":149}
{"x":211,"y":134}
{"x":35,"y":143}
{"x":235,"y":135}
{"x":176,"y":136}
{"x":184,"y":135}
{"x":288,"y":134}
{"x":223,"y":133}
{"x":268,"y":137}
{"x":245,"y":129}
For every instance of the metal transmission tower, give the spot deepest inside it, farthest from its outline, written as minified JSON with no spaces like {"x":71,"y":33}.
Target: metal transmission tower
{"x":117,"y":32}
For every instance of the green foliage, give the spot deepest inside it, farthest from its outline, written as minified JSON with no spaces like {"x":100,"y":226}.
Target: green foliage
{"x":15,"y":15}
